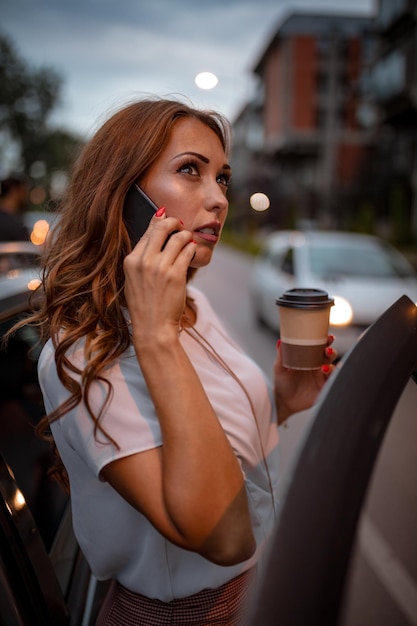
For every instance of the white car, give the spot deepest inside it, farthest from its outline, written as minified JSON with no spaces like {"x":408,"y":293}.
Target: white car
{"x":363,"y":273}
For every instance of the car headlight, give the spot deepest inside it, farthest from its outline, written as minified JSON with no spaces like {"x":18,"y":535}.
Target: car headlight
{"x":341,"y":312}
{"x":34,"y":284}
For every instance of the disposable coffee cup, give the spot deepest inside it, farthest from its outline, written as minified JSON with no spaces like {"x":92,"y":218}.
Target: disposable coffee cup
{"x":304,"y":326}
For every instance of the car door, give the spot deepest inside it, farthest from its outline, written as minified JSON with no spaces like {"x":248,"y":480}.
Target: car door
{"x":44,"y":578}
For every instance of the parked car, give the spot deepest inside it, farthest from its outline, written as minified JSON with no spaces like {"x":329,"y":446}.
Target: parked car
{"x":363,"y":274}
{"x":19,"y":268}
{"x":45,"y":580}
{"x":18,"y":255}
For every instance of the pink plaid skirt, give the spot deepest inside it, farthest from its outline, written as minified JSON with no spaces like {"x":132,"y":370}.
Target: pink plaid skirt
{"x":224,"y":606}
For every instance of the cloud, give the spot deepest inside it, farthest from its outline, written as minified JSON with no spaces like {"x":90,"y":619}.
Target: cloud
{"x":109,"y":51}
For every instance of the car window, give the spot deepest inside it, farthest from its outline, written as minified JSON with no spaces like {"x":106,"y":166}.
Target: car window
{"x":398,"y":262}
{"x":21,"y":408}
{"x":282,"y":260}
{"x":287,"y":265}
{"x":366,"y":262}
{"x":273,"y":258}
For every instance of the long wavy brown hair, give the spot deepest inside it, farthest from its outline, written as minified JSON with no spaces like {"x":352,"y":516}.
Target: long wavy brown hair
{"x":82,"y":274}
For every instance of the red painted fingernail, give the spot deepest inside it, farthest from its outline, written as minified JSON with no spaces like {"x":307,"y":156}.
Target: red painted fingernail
{"x":325,"y":369}
{"x":279,"y":343}
{"x":329,"y":351}
{"x":160,"y":211}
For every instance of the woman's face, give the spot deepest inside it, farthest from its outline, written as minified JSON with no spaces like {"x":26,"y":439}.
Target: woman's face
{"x":190,"y":179}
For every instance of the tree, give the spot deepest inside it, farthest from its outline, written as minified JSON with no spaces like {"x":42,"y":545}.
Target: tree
{"x":27,"y":98}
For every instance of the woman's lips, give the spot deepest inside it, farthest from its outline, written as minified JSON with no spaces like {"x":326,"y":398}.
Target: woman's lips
{"x":208,"y":233}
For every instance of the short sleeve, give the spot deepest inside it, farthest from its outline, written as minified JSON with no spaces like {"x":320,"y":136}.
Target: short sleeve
{"x":127,"y":415}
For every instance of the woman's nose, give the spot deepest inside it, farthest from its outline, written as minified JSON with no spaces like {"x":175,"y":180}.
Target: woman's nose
{"x":217,"y":201}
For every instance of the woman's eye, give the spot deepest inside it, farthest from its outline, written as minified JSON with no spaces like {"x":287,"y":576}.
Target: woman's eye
{"x":223,"y":179}
{"x":189,"y":168}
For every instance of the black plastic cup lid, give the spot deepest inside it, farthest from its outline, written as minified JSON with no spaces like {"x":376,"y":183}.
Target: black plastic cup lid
{"x":299,"y":298}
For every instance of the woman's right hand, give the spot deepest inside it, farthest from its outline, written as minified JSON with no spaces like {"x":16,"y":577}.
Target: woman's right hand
{"x":155,"y":276}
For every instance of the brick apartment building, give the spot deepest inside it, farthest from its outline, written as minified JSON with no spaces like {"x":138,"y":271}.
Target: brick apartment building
{"x":299,"y":140}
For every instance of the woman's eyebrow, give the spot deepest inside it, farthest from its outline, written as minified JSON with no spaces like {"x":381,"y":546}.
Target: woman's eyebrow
{"x":203,"y":158}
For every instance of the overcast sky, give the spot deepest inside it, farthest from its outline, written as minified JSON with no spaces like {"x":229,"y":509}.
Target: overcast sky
{"x":111,"y":51}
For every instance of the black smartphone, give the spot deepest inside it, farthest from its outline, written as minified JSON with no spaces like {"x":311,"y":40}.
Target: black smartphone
{"x":138,"y":211}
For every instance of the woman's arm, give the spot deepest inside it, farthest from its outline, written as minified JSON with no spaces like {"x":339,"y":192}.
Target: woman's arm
{"x":192,"y":487}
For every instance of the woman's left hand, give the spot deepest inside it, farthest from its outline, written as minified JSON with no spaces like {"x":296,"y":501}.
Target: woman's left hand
{"x":297,"y":390}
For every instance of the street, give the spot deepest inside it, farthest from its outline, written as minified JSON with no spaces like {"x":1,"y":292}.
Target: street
{"x":383,"y":582}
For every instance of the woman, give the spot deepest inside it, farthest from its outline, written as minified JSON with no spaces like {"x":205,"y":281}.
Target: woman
{"x":166,"y":430}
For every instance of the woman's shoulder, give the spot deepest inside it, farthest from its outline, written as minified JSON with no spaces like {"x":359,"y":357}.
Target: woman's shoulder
{"x":47,"y":370}
{"x":74,"y":353}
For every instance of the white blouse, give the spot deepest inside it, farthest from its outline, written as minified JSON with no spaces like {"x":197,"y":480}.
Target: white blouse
{"x":116,"y":539}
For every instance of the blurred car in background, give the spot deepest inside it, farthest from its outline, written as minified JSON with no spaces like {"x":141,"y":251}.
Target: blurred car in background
{"x":363,"y":274}
{"x":20,"y":260}
{"x":19,"y":267}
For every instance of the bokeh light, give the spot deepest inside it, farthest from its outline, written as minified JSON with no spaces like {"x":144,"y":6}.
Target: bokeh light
{"x":37,"y":195}
{"x":206,"y":80}
{"x":259,"y":201}
{"x":341,"y":313}
{"x":39,"y":232}
{"x":34,"y":284}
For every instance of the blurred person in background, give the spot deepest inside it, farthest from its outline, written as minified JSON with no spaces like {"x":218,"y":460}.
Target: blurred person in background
{"x":14,"y":200}
{"x":167,"y":433}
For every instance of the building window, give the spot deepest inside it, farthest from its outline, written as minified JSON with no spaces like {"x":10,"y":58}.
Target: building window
{"x":389,"y":75}
{"x":389,"y":11}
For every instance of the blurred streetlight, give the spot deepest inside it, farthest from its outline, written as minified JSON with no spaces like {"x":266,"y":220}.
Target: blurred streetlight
{"x":206,"y":80}
{"x":259,"y":201}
